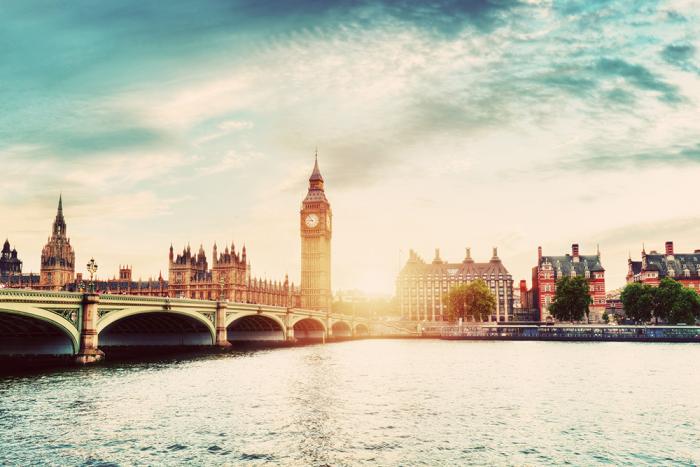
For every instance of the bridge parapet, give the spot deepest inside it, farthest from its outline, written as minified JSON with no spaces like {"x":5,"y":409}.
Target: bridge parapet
{"x":83,"y":317}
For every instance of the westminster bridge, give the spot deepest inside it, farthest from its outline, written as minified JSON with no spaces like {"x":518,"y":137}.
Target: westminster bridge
{"x":64,"y":323}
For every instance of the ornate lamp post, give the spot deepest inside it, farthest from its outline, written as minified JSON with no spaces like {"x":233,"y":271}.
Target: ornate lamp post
{"x":92,"y":269}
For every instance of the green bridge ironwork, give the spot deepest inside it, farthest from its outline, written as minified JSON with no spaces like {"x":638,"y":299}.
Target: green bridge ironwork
{"x":79,"y":324}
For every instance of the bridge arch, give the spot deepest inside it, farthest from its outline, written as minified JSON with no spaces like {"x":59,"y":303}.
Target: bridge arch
{"x":341,"y":329}
{"x":309,"y":328}
{"x":361,"y":329}
{"x":37,"y":332}
{"x":155,"y":327}
{"x":258,"y":327}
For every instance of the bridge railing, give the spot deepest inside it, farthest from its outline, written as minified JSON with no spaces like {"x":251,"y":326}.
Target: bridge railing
{"x":587,"y":332}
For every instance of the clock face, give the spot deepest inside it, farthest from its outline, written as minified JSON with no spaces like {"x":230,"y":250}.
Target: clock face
{"x":311,"y":220}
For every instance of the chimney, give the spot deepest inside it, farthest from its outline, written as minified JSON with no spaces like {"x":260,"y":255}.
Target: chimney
{"x":574,"y":250}
{"x":495,"y":253}
{"x":437,"y":259}
{"x":523,"y":286}
{"x":669,"y":248}
{"x":539,"y":254}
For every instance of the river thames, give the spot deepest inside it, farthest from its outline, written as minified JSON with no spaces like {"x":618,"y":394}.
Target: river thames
{"x":383,"y":402}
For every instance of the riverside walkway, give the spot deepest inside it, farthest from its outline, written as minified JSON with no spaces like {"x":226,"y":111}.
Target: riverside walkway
{"x":565,"y":332}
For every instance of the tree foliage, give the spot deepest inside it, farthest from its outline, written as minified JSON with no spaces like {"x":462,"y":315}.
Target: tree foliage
{"x":572,"y":299}
{"x":473,"y":301}
{"x":670,"y":302}
{"x":639,"y":302}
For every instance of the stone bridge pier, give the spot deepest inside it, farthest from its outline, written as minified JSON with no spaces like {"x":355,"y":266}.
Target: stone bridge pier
{"x":88,"y":351}
{"x":221,"y":329}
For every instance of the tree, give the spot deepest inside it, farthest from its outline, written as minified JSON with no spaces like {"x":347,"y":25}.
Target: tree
{"x":670,"y":302}
{"x":456,"y":302}
{"x":606,"y":317}
{"x":572,"y":299}
{"x":471,"y":301}
{"x":667,"y":293}
{"x":639,"y":301}
{"x":685,"y":308}
{"x":481,"y":303}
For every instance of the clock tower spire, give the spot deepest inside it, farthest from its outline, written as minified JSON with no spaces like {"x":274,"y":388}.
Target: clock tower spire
{"x":316,"y":230}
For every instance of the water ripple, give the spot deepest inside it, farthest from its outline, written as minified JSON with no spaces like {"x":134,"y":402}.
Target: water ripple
{"x":372,"y":402}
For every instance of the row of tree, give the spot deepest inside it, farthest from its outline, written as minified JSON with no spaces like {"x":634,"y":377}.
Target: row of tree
{"x":670,"y":302}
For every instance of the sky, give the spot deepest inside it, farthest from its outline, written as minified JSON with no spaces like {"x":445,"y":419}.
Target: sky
{"x":448,"y":124}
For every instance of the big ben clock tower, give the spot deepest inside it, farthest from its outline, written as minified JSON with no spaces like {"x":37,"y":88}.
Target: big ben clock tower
{"x":316,"y":231}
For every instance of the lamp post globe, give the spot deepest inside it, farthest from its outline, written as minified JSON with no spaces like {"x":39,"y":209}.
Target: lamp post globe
{"x":92,"y":269}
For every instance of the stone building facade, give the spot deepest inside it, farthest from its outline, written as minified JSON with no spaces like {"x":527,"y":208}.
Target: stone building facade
{"x":57,"y":257}
{"x":229,"y":278}
{"x":422,"y":287}
{"x":10,"y":264}
{"x":11,"y":275}
{"x":316,"y":228}
{"x":190,"y":275}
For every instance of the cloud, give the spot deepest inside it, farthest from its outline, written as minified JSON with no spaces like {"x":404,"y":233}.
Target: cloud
{"x":233,"y":125}
{"x":679,"y":156}
{"x":415,"y":106}
{"x":231,"y":160}
{"x":681,"y":55}
{"x":638,"y":76}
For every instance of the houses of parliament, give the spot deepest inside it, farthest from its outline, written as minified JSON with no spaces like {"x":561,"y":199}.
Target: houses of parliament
{"x":190,"y":274}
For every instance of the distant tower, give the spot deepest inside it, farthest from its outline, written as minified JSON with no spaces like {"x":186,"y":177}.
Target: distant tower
{"x":57,"y":257}
{"x":316,"y":229}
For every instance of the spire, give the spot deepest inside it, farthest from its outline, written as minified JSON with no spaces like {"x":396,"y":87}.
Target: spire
{"x":59,"y":225}
{"x":316,"y":174}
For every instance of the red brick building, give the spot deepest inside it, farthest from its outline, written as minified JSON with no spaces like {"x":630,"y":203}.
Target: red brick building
{"x":683,"y":267}
{"x":549,"y":269}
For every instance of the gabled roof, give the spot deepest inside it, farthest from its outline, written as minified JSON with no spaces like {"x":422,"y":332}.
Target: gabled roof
{"x":679,"y":264}
{"x":565,"y":264}
{"x":416,"y":265}
{"x":636,"y":267}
